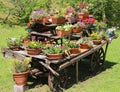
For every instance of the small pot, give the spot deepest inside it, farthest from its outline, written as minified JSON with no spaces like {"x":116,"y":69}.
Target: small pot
{"x":84,"y":46}
{"x":74,"y":50}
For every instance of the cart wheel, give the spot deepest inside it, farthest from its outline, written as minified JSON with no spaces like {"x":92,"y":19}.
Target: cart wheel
{"x":56,"y":83}
{"x":97,"y":60}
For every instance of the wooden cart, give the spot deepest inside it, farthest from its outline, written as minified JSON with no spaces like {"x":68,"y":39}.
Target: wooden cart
{"x":55,"y":69}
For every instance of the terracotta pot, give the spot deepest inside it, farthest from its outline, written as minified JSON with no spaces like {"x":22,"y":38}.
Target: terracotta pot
{"x":45,"y":20}
{"x":62,"y":33}
{"x":74,"y":50}
{"x":97,"y":42}
{"x":84,"y":46}
{"x":58,"y":20}
{"x":54,"y":56}
{"x":34,"y":51}
{"x":14,"y":48}
{"x":20,"y":78}
{"x":77,"y":30}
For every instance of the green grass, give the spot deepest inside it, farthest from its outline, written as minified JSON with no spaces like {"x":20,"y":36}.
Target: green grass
{"x":106,"y":81}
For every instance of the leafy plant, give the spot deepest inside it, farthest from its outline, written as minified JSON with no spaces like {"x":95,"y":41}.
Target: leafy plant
{"x":72,"y":44}
{"x":66,"y":27}
{"x":20,"y":66}
{"x":54,"y":50}
{"x":35,"y":45}
{"x":14,"y":42}
{"x":85,"y":40}
{"x":36,"y":15}
{"x":95,"y":36}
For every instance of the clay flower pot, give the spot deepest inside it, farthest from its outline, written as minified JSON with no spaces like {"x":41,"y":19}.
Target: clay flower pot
{"x":54,"y":56}
{"x":74,"y":50}
{"x":97,"y":42}
{"x":34,"y":51}
{"x":20,"y":78}
{"x":58,"y":20}
{"x":84,"y":46}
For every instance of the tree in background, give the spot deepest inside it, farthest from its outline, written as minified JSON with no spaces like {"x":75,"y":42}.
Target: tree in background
{"x":18,"y":11}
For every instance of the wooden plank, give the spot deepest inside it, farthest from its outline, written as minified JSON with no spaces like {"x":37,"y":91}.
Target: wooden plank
{"x":10,"y":54}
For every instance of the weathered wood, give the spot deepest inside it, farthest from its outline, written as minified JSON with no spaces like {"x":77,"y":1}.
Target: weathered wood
{"x":83,"y":55}
{"x":10,"y":54}
{"x":49,"y":68}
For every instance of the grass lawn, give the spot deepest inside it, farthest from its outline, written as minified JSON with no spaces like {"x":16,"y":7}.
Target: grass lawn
{"x":106,"y":81}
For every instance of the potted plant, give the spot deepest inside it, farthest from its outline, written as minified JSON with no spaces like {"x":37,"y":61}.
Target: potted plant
{"x":58,"y":17}
{"x":20,"y":69}
{"x":34,"y":47}
{"x":64,"y":30}
{"x":96,"y":38}
{"x":37,"y":15}
{"x":14,"y":43}
{"x":54,"y":53}
{"x":76,"y":28}
{"x":85,"y":43}
{"x":74,"y":48}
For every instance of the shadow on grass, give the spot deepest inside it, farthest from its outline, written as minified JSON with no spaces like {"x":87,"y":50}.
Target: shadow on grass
{"x":84,"y":74}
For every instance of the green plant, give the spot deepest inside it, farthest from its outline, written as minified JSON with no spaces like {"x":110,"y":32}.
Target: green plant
{"x":67,"y":27}
{"x":72,"y":44}
{"x":85,"y":40}
{"x":95,"y":36}
{"x":20,"y":66}
{"x":54,"y":50}
{"x":14,"y":42}
{"x":36,"y":15}
{"x":59,"y":28}
{"x":102,"y":25}
{"x":34,"y":45}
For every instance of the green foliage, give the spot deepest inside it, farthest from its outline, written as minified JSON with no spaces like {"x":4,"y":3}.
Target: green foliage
{"x":85,"y":40}
{"x":72,"y":44}
{"x":53,"y":50}
{"x":34,"y":45}
{"x":14,"y":42}
{"x":21,"y":66}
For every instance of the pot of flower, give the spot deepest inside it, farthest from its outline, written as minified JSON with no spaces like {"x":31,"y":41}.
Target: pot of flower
{"x":74,"y":48}
{"x":54,"y":53}
{"x":85,"y":43}
{"x":64,"y":30}
{"x":58,"y":19}
{"x":67,"y":29}
{"x":37,"y":15}
{"x":14,"y":43}
{"x":96,"y":38}
{"x":76,"y":28}
{"x":34,"y":48}
{"x":20,"y":69}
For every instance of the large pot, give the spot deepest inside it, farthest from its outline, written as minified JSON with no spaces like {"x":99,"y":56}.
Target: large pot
{"x":20,"y":78}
